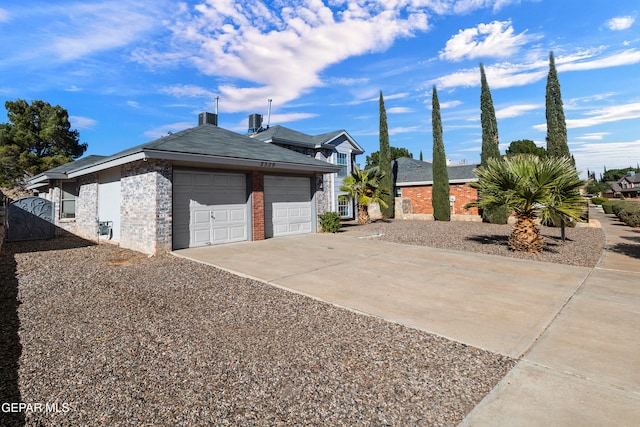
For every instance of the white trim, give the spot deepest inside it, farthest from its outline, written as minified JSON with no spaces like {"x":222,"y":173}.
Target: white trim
{"x":106,"y":165}
{"x":200,"y":158}
{"x":353,"y":143}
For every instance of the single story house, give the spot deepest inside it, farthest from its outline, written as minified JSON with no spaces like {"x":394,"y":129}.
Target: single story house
{"x":628,"y":187}
{"x":337,"y":148}
{"x":201,"y":186}
{"x":413,"y":184}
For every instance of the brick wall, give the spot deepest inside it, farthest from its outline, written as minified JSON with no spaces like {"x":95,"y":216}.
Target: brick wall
{"x":257,"y":205}
{"x":421,"y":199}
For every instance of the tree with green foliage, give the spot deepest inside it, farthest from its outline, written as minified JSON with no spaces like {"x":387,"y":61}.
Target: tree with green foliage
{"x":374,"y":159}
{"x":525,"y":146}
{"x":548,"y":189}
{"x":490,"y":146}
{"x":365,"y":187}
{"x":421,"y":159}
{"x":387,"y":209}
{"x":440,"y":190}
{"x":556,"y":125}
{"x":490,"y":140}
{"x":617,"y":174}
{"x":38,"y":137}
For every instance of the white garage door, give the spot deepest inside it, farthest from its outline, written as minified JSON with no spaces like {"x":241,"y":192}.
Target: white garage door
{"x":287,"y":204}
{"x":209,"y":208}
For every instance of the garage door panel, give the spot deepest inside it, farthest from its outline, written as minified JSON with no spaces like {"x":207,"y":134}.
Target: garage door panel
{"x":288,"y":205}
{"x":209,"y":208}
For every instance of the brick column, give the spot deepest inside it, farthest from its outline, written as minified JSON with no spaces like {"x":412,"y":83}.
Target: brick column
{"x":257,"y":205}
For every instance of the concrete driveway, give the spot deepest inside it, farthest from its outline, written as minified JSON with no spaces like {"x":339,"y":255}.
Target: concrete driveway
{"x":575,"y":330}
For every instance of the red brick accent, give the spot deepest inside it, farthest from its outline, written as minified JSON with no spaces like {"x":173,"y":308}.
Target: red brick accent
{"x":257,"y":205}
{"x":421,"y":199}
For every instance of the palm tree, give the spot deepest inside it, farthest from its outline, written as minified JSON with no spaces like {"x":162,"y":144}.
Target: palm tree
{"x":364,"y":186}
{"x":532,"y":188}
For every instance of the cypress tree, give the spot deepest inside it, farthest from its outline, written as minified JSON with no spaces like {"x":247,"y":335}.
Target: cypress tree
{"x":421,"y":155}
{"x":385,"y":163}
{"x":556,"y":125}
{"x":440,"y":190}
{"x":490,"y":145}
{"x":490,"y":141}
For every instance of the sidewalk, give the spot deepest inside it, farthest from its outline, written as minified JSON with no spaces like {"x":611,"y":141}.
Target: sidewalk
{"x":585,"y":369}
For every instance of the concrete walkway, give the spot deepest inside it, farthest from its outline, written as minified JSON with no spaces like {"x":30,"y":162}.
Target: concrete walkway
{"x":585,"y":369}
{"x":575,"y":331}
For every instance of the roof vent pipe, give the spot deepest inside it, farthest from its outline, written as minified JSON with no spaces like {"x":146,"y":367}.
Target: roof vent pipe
{"x":269,"y":113}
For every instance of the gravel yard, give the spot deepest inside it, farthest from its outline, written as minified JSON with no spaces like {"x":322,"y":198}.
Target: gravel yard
{"x":582,"y":246}
{"x":117,"y":338}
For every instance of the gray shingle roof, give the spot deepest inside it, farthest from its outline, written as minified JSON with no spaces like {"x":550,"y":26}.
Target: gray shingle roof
{"x":283,"y":135}
{"x":406,"y":170}
{"x":211,"y":140}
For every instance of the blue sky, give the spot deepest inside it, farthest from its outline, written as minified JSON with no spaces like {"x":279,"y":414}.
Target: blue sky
{"x":129,"y":71}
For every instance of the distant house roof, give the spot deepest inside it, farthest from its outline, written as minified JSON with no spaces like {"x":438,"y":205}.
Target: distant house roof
{"x":204,"y":144}
{"x":409,"y":172}
{"x":283,"y":135}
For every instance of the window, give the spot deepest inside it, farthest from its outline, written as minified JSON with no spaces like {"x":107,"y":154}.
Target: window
{"x":344,"y":207}
{"x":68,"y":200}
{"x":342,"y":161}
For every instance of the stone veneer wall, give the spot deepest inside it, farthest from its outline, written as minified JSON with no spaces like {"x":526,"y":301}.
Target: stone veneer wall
{"x":87,"y":207}
{"x":322,"y":201}
{"x":146,"y":211}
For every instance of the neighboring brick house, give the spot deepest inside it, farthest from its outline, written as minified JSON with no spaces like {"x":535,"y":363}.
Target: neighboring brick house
{"x":413,"y":188}
{"x":628,"y":187}
{"x":201,"y":186}
{"x":336,"y":147}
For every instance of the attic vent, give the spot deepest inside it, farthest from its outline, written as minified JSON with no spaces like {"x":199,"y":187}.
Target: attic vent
{"x":255,"y":123}
{"x":207,"y":118}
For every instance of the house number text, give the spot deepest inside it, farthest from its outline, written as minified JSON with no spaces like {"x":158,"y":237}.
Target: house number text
{"x":267,"y":164}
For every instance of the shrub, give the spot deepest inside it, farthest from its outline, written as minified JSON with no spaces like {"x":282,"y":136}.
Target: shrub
{"x":599,"y":200}
{"x":496,"y":214}
{"x":607,"y":207}
{"x":629,"y":213}
{"x":617,"y":206}
{"x":330,"y":222}
{"x":631,"y":218}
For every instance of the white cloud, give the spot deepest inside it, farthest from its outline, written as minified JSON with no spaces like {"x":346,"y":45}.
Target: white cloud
{"x":607,"y":115}
{"x":613,"y":155}
{"x":187,"y":91}
{"x":399,"y":110}
{"x":507,"y":74}
{"x":80,"y":122}
{"x":620,"y":23}
{"x":516,"y":110}
{"x":280,"y":52}
{"x":496,"y":39}
{"x":627,"y":57}
{"x":4,"y":15}
{"x":100,"y":26}
{"x":450,"y":104}
{"x":595,"y":136}
{"x":408,"y":129}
